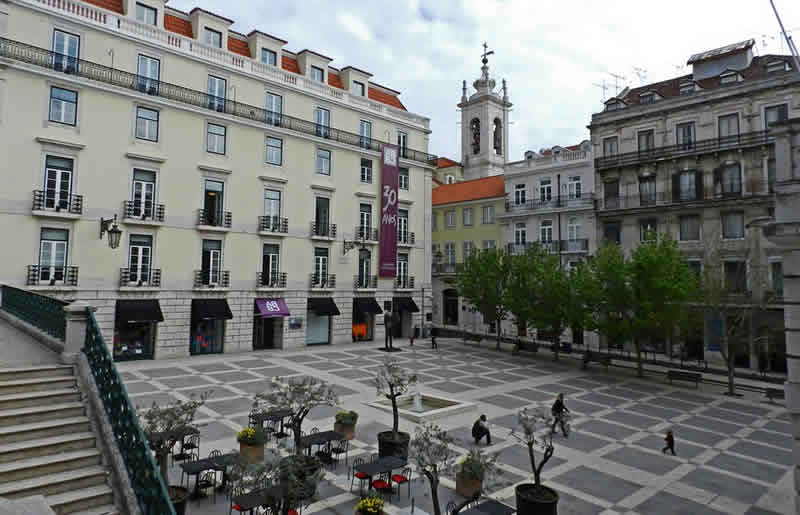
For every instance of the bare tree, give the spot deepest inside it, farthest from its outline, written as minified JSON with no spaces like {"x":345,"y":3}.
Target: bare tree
{"x":531,"y":421}
{"x":393,"y":381}
{"x":431,"y":451}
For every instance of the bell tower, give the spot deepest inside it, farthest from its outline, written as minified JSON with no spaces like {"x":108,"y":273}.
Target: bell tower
{"x":484,"y":125}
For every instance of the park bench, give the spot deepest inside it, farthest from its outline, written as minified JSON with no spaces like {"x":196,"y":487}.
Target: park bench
{"x":470,"y":337}
{"x":597,"y":357}
{"x":682,"y":375}
{"x":775,"y":393}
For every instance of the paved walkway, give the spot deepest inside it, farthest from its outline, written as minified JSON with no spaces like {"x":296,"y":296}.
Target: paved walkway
{"x":19,"y":349}
{"x":733,"y":458}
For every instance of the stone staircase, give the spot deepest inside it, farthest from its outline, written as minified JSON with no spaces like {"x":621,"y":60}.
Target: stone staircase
{"x":47,"y":446}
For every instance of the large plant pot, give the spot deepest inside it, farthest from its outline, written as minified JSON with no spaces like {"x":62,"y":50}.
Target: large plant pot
{"x":347,"y":430}
{"x":468,"y":487}
{"x":303,"y":467}
{"x":179,"y":496}
{"x":536,"y":500}
{"x":251,"y":453}
{"x":388,"y":446}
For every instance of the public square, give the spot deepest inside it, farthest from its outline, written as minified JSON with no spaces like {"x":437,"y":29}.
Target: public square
{"x":733,"y":454}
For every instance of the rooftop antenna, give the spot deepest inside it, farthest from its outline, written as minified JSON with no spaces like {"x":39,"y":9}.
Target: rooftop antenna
{"x":641,"y":73}
{"x":617,"y":78}
{"x":789,"y":42}
{"x":603,"y":86}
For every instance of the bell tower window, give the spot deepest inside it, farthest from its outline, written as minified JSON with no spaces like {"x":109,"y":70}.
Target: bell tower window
{"x":475,"y":127}
{"x":498,"y":137}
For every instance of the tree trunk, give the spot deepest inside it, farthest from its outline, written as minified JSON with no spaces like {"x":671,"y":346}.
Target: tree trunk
{"x":728,"y":356}
{"x":498,"y":334}
{"x":536,"y":477}
{"x":395,"y":418}
{"x":556,"y":344}
{"x":639,"y":364}
{"x":163,"y":460}
{"x":298,"y":434}
{"x":435,"y":495}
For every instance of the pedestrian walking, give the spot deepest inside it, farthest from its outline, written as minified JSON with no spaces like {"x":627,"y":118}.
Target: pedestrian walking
{"x":388,"y":320}
{"x":670,"y":439}
{"x":480,"y":429}
{"x":558,"y":411}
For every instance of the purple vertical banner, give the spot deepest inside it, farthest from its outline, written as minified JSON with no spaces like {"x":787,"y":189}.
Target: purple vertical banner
{"x":388,"y":260}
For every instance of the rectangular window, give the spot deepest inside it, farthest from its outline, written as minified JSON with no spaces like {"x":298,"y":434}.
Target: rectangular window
{"x":546,"y":231}
{"x":647,"y":229}
{"x":213,"y":203}
{"x":733,"y":225}
{"x":450,"y":219}
{"x":489,"y":244}
{"x":466,"y":216}
{"x":689,"y":186}
{"x":519,"y":195}
{"x":322,"y":216}
{"x":272,"y":209}
{"x":774,"y":114}
{"x":274,"y":151}
{"x":687,"y":88}
{"x":402,"y":143}
{"x":213,"y":38}
{"x":323,"y":161}
{"x":365,"y":134}
{"x":612,"y":232}
{"x":545,"y":189}
{"x":402,"y":270}
{"x":487,"y":215}
{"x":434,"y":221}
{"x":217,"y":89}
{"x":148,"y":70}
{"x":63,"y":106}
{"x":647,"y":98}
{"x":402,"y":226}
{"x":211,"y":262}
{"x":730,"y":180}
{"x":317,"y":74}
{"x":736,"y":276}
{"x":729,"y":126}
{"x":53,"y":245}
{"x":611,"y":194}
{"x":215,"y":139}
{"x":646,"y":140}
{"x":520,"y":234}
{"x":66,"y":51}
{"x":684,"y":135}
{"x":358,"y":87}
{"x":270,"y":264}
{"x":364,"y":220}
{"x":57,"y":182}
{"x":402,"y":178}
{"x":322,"y":117}
{"x":610,"y":146}
{"x":140,"y":252}
{"x":143,"y":193}
{"x":146,"y":124}
{"x":450,"y":253}
{"x":696,"y":267}
{"x":777,"y":66}
{"x":269,"y":57}
{"x":729,"y":78}
{"x":274,"y":109}
{"x":574,"y":187}
{"x":320,"y":266}
{"x":466,"y":250}
{"x":776,"y":276}
{"x":573,"y":229}
{"x":647,"y":191}
{"x":145,"y":14}
{"x":771,"y":173}
{"x":690,"y":228}
{"x":366,"y":171}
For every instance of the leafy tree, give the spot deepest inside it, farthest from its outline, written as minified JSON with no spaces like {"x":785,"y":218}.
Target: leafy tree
{"x":521,"y":287}
{"x":431,"y":451}
{"x":483,"y":282}
{"x":392,"y":381}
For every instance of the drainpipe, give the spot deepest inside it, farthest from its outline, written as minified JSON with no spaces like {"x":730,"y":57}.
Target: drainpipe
{"x":558,"y":204}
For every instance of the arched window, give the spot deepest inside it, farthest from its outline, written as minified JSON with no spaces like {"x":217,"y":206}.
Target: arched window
{"x":475,"y":128}
{"x":450,"y":179}
{"x":498,"y":136}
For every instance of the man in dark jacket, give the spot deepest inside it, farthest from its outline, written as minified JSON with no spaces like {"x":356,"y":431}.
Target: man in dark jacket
{"x":388,"y":324}
{"x":558,"y":411}
{"x":480,"y":429}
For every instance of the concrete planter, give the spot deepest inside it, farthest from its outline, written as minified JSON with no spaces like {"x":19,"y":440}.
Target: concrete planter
{"x":347,"y":430}
{"x":251,"y":453}
{"x":536,"y":500}
{"x":468,"y":487}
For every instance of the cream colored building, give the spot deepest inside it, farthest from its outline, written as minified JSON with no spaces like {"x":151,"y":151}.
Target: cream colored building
{"x":236,"y":169}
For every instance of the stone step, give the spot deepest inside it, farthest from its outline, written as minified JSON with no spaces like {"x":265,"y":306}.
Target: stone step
{"x":22,"y":432}
{"x":52,"y":484}
{"x":83,"y":499}
{"x":45,"y":446}
{"x":14,"y":374}
{"x":106,"y":509}
{"x":36,"y":384}
{"x":12,"y":417}
{"x":27,"y":400}
{"x":50,"y":464}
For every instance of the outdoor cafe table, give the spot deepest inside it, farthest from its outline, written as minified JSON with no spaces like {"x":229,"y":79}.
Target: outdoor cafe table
{"x":256,"y":498}
{"x":320,"y":438}
{"x":195,"y":468}
{"x":382,"y":466}
{"x":272,"y":415}
{"x":490,"y":507}
{"x":178,"y":434}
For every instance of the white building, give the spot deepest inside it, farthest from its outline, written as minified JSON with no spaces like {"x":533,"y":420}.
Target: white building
{"x":235,"y":169}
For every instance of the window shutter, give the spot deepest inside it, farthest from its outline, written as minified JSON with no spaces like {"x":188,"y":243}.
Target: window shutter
{"x":676,"y":187}
{"x":698,"y":185}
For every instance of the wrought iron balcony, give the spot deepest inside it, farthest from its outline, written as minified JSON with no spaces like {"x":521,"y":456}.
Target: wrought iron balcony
{"x":447,"y":268}
{"x":365,"y":282}
{"x":576,"y":245}
{"x":518,"y":248}
{"x":323,"y":230}
{"x":748,"y":139}
{"x":273,"y":224}
{"x":55,"y":201}
{"x":214,"y":218}
{"x":212,"y":279}
{"x":41,"y":57}
{"x":365,"y":233}
{"x":405,"y":238}
{"x":584,"y":200}
{"x":404,"y":282}
{"x":140,"y":276}
{"x":43,"y":275}
{"x":143,"y":210}
{"x":720,"y":191}
{"x":322,"y":280}
{"x":271,"y":280}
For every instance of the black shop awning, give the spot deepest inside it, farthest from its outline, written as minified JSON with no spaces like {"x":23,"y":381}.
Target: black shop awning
{"x":132,"y":311}
{"x":323,"y":306}
{"x":404,"y":304}
{"x":366,"y":305}
{"x":211,"y":309}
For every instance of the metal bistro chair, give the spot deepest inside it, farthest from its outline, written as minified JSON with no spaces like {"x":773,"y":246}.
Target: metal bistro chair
{"x":339,"y":448}
{"x":236,"y":492}
{"x":216,"y":453}
{"x":361,"y":476}
{"x":252,"y":418}
{"x":383,"y":484}
{"x":450,"y":509}
{"x":208,"y":480}
{"x":404,"y":477}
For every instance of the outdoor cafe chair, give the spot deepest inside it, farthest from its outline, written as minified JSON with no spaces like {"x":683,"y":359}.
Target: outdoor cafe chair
{"x":208,"y":480}
{"x":361,"y":476}
{"x":339,"y":448}
{"x":404,"y":477}
{"x":383,"y":484}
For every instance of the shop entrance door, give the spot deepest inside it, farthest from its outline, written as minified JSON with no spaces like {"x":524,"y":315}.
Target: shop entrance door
{"x":263,"y":333}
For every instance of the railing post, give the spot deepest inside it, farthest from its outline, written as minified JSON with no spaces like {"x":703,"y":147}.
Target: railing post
{"x":77,"y":317}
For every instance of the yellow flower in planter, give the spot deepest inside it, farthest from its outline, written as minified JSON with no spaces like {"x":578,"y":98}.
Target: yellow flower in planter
{"x":370,"y":505}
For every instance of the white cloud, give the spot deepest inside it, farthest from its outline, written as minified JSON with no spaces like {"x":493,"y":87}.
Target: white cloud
{"x":550,"y":52}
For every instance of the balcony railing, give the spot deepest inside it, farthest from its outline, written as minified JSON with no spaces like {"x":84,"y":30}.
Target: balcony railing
{"x":365,"y":282}
{"x":405,"y":238}
{"x":323,"y":230}
{"x":576,"y":245}
{"x":43,"y":275}
{"x":140,"y":276}
{"x":748,"y":139}
{"x":271,"y":280}
{"x":54,"y":201}
{"x":273,"y":224}
{"x":365,"y":233}
{"x":447,"y":268}
{"x":404,"y":282}
{"x":214,"y":219}
{"x":322,"y":280}
{"x":86,"y":69}
{"x":721,"y":191}
{"x":585,"y":200}
{"x":143,"y":210}
{"x":41,"y":311}
{"x":212,"y":279}
{"x":517,"y":249}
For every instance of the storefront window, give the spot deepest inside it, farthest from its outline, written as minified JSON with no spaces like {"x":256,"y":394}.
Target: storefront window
{"x":134,"y":341}
{"x":207,"y":336}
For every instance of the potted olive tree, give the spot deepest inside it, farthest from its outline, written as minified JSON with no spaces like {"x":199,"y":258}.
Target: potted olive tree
{"x":431,"y":451}
{"x":345,"y":424}
{"x":393,"y":381}
{"x":472,"y":470}
{"x":251,"y":444}
{"x":536,"y":499}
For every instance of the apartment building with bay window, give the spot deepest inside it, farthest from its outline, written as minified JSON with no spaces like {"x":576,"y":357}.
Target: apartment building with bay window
{"x":693,"y":157}
{"x":245,"y":179}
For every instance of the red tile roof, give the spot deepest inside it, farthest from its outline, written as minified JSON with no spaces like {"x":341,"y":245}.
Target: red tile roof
{"x":178,"y":25}
{"x":335,"y":81}
{"x":111,"y":5}
{"x":289,"y":64}
{"x":487,"y":187}
{"x":385,"y":98}
{"x":237,"y":46}
{"x":443,"y":162}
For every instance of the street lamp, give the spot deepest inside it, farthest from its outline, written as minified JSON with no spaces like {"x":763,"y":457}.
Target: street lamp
{"x":114,"y":233}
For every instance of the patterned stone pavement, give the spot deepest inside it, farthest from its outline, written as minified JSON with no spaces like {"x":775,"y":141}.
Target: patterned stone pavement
{"x":733,"y":457}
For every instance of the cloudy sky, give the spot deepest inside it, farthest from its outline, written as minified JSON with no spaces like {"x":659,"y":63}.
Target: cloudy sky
{"x":550,"y":52}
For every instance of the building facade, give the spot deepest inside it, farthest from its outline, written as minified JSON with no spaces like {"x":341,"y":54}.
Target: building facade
{"x":246,"y":181}
{"x":693,"y":157}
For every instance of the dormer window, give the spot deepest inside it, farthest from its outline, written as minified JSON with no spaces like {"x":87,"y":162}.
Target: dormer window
{"x":269,"y":57}
{"x":777,"y":66}
{"x":213,"y":38}
{"x":729,"y":78}
{"x":614,"y":105}
{"x":647,"y":98}
{"x":358,"y":87}
{"x":146,"y":14}
{"x":687,"y":88}
{"x":317,"y":74}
